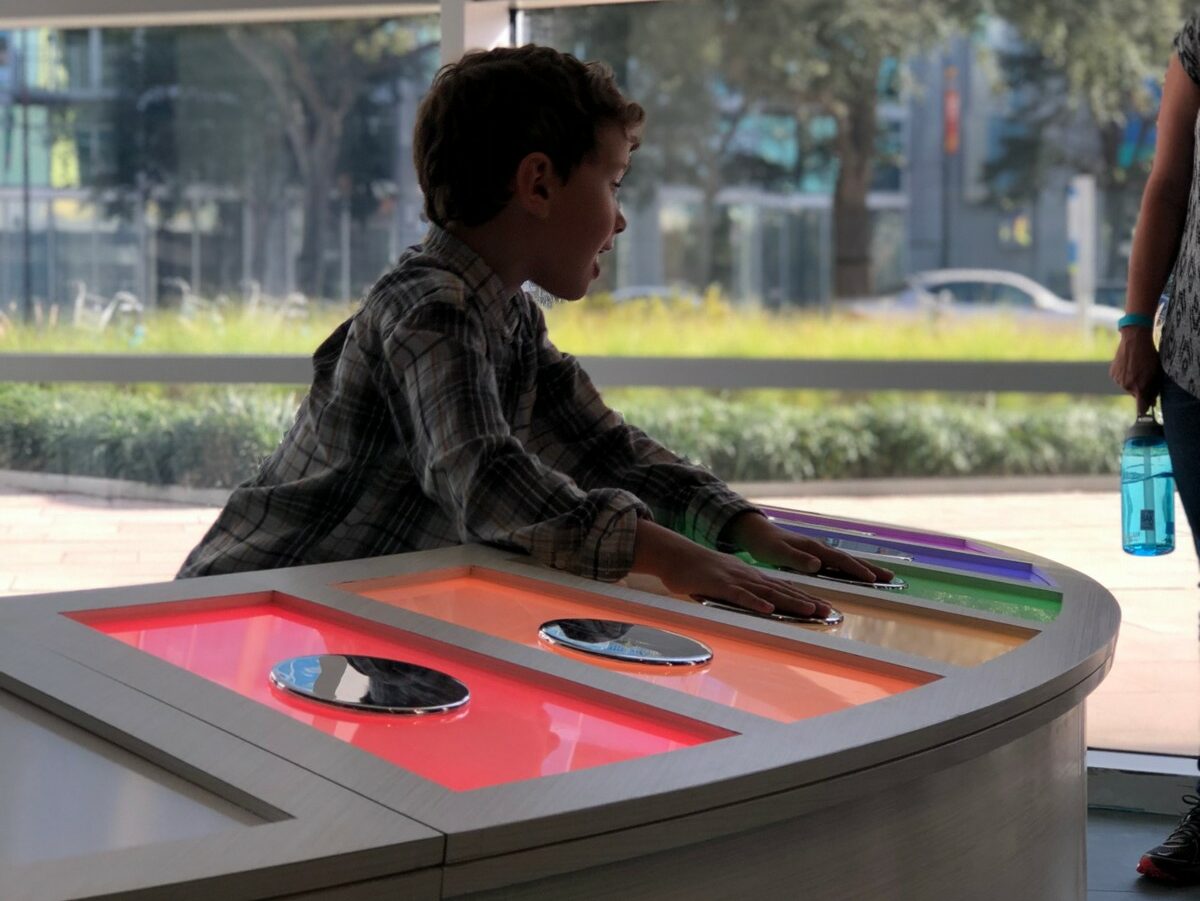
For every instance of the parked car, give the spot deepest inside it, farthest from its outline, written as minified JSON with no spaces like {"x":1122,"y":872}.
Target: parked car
{"x":972,"y":292}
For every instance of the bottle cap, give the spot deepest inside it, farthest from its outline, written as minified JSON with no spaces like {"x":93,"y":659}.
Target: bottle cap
{"x":1145,"y":426}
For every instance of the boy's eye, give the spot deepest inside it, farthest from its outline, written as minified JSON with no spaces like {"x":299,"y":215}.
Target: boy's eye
{"x":616,"y":185}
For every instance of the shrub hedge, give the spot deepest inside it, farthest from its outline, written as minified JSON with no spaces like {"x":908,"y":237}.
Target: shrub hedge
{"x":217,"y":440}
{"x":214,"y":442}
{"x":762,"y":442}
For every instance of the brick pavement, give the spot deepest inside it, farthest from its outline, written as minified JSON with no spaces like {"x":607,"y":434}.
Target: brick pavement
{"x":1150,"y":700}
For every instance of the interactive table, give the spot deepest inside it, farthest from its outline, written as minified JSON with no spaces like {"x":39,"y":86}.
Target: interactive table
{"x":464,"y":723}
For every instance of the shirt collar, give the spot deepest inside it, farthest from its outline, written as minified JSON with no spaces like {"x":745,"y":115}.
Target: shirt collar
{"x":483,"y":285}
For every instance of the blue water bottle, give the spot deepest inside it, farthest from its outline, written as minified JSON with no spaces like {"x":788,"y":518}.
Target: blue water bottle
{"x":1147,"y":490}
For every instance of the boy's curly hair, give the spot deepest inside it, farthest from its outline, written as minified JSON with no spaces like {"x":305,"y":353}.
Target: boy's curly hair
{"x":488,"y":111}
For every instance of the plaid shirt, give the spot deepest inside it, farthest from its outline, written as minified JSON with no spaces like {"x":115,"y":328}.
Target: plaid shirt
{"x":441,"y":414}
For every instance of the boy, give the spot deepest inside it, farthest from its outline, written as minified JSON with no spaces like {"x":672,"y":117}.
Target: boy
{"x":440,"y":413}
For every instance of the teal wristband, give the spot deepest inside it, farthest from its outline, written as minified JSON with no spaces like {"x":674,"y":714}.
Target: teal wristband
{"x":1138,"y":319}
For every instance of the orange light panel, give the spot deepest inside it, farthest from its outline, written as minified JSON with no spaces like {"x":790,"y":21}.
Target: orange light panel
{"x":779,"y":681}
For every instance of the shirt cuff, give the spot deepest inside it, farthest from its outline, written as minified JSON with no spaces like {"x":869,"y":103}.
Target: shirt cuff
{"x":710,"y":511}
{"x":606,"y":552}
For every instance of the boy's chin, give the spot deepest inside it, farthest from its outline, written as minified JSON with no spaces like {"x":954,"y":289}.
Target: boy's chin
{"x":542,"y":297}
{"x":555,"y":293}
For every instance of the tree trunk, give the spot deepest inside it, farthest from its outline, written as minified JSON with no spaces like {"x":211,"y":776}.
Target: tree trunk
{"x":1122,"y":186}
{"x":706,"y":228}
{"x":856,"y":139}
{"x":711,"y":188}
{"x":318,"y":185}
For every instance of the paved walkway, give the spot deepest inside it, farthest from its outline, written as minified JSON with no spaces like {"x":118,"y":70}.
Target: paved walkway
{"x":1150,"y":700}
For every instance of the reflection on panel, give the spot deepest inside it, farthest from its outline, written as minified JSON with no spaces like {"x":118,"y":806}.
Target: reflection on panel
{"x":1019,"y":600}
{"x":783,"y":683}
{"x":1029,"y":602}
{"x":65,"y":792}
{"x":898,"y":628}
{"x":518,"y":724}
{"x":964,"y":561}
{"x":874,"y":530}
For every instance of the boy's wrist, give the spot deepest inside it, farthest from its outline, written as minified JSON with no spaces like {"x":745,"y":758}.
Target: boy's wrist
{"x":654,"y":547}
{"x":739,"y":530}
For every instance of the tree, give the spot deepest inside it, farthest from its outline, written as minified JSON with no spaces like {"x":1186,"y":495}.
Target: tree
{"x":186,"y":113}
{"x":254,"y":110}
{"x":703,"y":66}
{"x":673,"y":58}
{"x":316,"y":74}
{"x":707,"y":65}
{"x":824,"y":57}
{"x":1093,"y":70}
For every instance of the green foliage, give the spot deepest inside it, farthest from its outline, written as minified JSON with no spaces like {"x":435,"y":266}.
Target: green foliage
{"x":702,"y":68}
{"x":597,"y":326}
{"x":215,"y":442}
{"x":216,"y":439}
{"x":233,"y":329}
{"x":757,"y":442}
{"x":675,"y":328}
{"x":1105,"y":49}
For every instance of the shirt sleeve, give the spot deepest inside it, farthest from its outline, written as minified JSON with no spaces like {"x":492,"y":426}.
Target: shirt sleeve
{"x":579,"y":434}
{"x":444,"y":398}
{"x":1187,"y":45}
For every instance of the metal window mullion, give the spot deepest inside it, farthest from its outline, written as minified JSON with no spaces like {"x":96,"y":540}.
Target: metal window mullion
{"x":1081,"y":378}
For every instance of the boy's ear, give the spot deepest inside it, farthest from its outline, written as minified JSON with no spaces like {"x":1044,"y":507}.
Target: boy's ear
{"x":534,"y":184}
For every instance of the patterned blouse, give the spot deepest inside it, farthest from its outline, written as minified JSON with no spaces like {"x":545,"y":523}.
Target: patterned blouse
{"x":1180,"y":348}
{"x":441,"y":414}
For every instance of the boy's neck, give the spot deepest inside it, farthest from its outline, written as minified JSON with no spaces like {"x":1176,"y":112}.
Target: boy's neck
{"x":499,"y":243}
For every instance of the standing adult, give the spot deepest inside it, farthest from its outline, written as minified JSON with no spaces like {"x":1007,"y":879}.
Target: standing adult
{"x":1167,"y":240}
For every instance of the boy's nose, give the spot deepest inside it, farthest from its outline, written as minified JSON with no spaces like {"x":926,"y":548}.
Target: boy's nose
{"x":620,"y":225}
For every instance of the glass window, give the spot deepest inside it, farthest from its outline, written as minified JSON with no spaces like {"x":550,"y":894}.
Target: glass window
{"x":188,"y":165}
{"x":749,"y":168}
{"x":174,"y":189}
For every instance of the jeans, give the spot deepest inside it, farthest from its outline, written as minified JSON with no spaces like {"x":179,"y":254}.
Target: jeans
{"x":1181,"y":421}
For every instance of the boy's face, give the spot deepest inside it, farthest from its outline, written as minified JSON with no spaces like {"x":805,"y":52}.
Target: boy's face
{"x":584,"y":217}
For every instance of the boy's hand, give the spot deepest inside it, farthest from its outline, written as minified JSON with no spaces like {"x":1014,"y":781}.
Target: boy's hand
{"x":768,"y":543}
{"x":688,"y":569}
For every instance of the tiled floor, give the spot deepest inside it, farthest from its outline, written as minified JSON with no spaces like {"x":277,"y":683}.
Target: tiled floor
{"x":1115,"y":843}
{"x":64,"y":542}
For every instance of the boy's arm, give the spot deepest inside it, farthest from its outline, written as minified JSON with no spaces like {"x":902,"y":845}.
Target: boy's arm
{"x":443,"y":396}
{"x":444,"y":402}
{"x":592,"y":443}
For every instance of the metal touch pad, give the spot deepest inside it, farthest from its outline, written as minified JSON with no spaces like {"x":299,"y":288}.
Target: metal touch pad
{"x":835,"y":616}
{"x":374,"y":684}
{"x":897,"y":584}
{"x":626,"y":642}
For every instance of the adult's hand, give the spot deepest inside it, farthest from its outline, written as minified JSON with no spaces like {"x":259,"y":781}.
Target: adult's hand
{"x":1136,"y":368}
{"x":768,"y":543}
